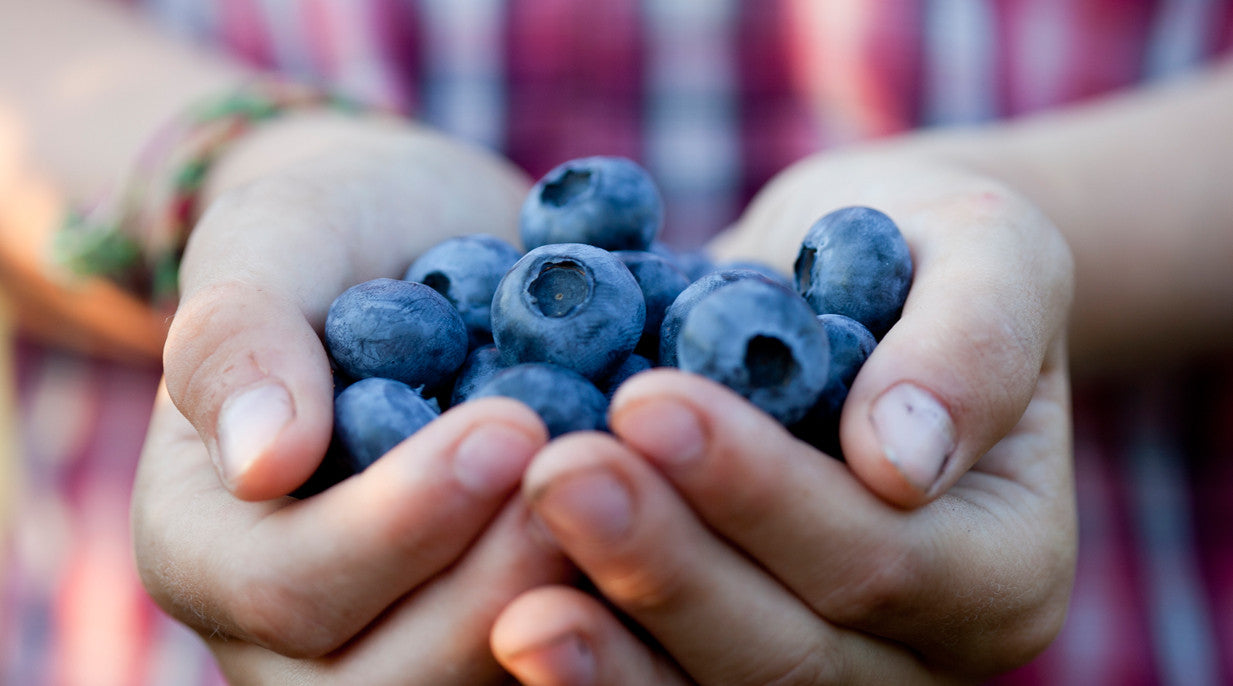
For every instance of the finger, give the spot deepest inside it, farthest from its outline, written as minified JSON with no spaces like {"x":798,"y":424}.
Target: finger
{"x":243,"y":360}
{"x":990,"y":295}
{"x":302,"y":577}
{"x":437,"y":636}
{"x":719,"y":615}
{"x":560,"y":636}
{"x":955,"y":374}
{"x":925,"y":577}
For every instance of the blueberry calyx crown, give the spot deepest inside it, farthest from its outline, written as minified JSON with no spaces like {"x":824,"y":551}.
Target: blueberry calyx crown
{"x":560,"y":288}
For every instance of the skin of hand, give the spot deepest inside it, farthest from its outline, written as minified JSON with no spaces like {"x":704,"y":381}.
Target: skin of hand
{"x":943,"y":551}
{"x":400,"y":570}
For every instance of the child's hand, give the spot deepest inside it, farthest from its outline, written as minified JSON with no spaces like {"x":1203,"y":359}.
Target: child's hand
{"x":396,"y":573}
{"x":751,"y":558}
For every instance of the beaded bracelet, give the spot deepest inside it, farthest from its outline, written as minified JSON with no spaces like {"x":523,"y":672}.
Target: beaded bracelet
{"x":136,"y":238}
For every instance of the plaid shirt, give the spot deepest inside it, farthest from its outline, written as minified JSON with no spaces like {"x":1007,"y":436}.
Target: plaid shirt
{"x":713,"y":97}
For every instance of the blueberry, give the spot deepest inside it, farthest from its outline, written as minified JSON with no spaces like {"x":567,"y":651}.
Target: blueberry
{"x":850,"y":345}
{"x":482,"y":364}
{"x":569,"y":304}
{"x":561,"y":397}
{"x":633,"y":364}
{"x":660,"y":283}
{"x":373,"y":415}
{"x":761,"y":340}
{"x":397,"y":330}
{"x":466,"y":270}
{"x":674,"y":316}
{"x":855,"y":262}
{"x":608,"y":202}
{"x":696,"y":264}
{"x":757,"y":266}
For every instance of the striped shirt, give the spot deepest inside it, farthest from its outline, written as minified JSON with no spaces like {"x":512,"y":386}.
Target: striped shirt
{"x":713,"y":97}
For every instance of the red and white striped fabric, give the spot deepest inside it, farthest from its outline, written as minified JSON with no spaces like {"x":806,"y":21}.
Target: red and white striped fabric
{"x":713,"y":98}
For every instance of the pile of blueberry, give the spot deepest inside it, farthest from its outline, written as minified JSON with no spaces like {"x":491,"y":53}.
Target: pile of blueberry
{"x":595,"y":299}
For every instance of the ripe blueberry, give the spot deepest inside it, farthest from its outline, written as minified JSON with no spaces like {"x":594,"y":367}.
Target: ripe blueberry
{"x":570,"y":304}
{"x":675,"y":315}
{"x":466,"y":270}
{"x":850,"y":345}
{"x":855,"y":262}
{"x":561,"y":397}
{"x":373,"y":415}
{"x":761,"y":340}
{"x":608,"y":202}
{"x":482,"y":364}
{"x":397,"y":330}
{"x":660,"y":283}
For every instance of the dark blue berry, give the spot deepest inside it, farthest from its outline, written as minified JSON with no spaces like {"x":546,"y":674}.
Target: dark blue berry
{"x":696,"y":264}
{"x":482,"y":364}
{"x":855,"y":262}
{"x":397,"y":330}
{"x":674,"y":316}
{"x":562,"y":398}
{"x":572,"y":305}
{"x":466,"y":270}
{"x":373,"y":415}
{"x":761,"y":340}
{"x":850,"y":345}
{"x":660,"y":282}
{"x":608,"y":202}
{"x":633,"y":364}
{"x":757,"y":266}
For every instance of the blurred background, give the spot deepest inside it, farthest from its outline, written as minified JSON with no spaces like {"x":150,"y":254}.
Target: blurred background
{"x":713,"y":98}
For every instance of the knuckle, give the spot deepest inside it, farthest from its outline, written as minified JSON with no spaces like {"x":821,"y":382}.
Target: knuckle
{"x":272,"y":615}
{"x":880,"y":583}
{"x":207,"y":351}
{"x":823,"y":664}
{"x":647,"y":589}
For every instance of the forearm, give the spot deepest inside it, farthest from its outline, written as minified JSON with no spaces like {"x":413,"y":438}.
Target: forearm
{"x":1139,"y":185}
{"x":84,"y":85}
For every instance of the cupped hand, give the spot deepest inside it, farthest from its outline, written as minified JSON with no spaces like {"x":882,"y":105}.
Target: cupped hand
{"x":397,"y":574}
{"x":942,"y":550}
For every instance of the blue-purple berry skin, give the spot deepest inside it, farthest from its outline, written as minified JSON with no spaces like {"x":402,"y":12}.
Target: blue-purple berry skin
{"x":674,"y":316}
{"x":695,"y":264}
{"x":660,"y":282}
{"x":854,"y":261}
{"x":563,"y":399}
{"x":634,"y":364}
{"x":757,"y":266}
{"x":398,"y":330}
{"x":466,"y":271}
{"x":573,"y":305}
{"x":373,"y":415}
{"x":850,"y":345}
{"x":481,"y":365}
{"x":763,"y":341}
{"x":609,"y":202}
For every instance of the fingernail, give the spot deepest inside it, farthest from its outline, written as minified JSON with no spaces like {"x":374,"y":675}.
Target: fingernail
{"x":916,"y":433}
{"x":667,"y":431}
{"x":491,"y":459}
{"x":248,"y":425}
{"x":592,"y":506}
{"x":564,"y":660}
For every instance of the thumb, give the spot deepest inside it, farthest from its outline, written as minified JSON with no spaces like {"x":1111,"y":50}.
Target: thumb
{"x":243,"y":359}
{"x":984,"y":320}
{"x":254,"y":379}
